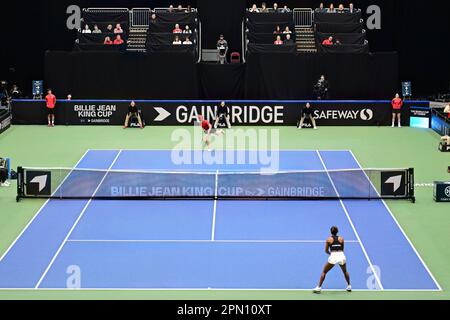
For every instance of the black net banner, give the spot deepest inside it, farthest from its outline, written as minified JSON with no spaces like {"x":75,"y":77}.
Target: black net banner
{"x":268,"y":28}
{"x":168,"y":38}
{"x":270,"y":18}
{"x":344,"y":38}
{"x":323,"y":17}
{"x":345,"y":48}
{"x":99,"y":47}
{"x":176,"y":17}
{"x":105,"y":17}
{"x":271,"y":48}
{"x":182,"y":48}
{"x":266,"y":38}
{"x":339,"y":27}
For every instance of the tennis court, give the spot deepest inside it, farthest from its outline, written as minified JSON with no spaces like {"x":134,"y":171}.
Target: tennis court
{"x":210,"y":244}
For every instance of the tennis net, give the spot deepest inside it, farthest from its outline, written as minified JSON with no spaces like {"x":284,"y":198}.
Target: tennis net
{"x":62,"y":183}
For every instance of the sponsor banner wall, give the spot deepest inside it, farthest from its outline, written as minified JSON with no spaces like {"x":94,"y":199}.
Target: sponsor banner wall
{"x":248,"y":113}
{"x":440,"y":124}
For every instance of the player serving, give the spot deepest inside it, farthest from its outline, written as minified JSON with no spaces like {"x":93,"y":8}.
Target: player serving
{"x":334,"y":247}
{"x":208,"y":131}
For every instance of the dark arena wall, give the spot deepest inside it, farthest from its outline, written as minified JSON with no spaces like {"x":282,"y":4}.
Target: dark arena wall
{"x":405,"y":28}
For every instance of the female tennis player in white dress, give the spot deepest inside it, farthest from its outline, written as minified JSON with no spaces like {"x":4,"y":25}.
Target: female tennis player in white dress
{"x":334,"y":247}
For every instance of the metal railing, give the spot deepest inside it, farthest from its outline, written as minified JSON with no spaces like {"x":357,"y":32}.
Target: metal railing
{"x":140,"y":17}
{"x":303,"y":17}
{"x":103,"y":10}
{"x":173,"y":10}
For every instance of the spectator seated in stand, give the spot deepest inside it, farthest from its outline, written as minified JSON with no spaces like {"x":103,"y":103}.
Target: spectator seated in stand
{"x":180,"y":8}
{"x":321,"y":8}
{"x":278,"y":41}
{"x":352,"y":8}
{"x":118,"y":29}
{"x":188,"y":9}
{"x":264,"y":8}
{"x":254,"y":9}
{"x":288,"y":40}
{"x":187,"y":30}
{"x":177,"y":41}
{"x":86,"y":29}
{"x":275,"y":7}
{"x":170,"y":9}
{"x":341,"y":9}
{"x":187,"y":41}
{"x":118,"y":41}
{"x":109,"y":29}
{"x":287,"y":31}
{"x":331,"y":9}
{"x":177,"y":29}
{"x":277,"y":30}
{"x":107,"y":41}
{"x":285,"y":10}
{"x":328,"y":42}
{"x":96,"y":30}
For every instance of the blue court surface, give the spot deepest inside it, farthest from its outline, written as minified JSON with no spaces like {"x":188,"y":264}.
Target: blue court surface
{"x":207,"y":244}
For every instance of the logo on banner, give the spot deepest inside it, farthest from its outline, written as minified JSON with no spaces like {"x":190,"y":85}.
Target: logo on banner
{"x":95,"y":113}
{"x":38,"y":183}
{"x":364,"y":114}
{"x":393,"y":183}
{"x":163,"y":114}
{"x":447,"y":191}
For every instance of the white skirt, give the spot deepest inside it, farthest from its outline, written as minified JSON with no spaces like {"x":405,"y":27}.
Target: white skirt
{"x":337,"y":258}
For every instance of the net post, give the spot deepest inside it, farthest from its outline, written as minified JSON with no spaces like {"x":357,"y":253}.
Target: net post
{"x":20,"y":184}
{"x":411,"y":193}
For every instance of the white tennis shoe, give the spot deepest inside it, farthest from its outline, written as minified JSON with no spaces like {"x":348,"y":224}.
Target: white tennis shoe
{"x":317,"y":290}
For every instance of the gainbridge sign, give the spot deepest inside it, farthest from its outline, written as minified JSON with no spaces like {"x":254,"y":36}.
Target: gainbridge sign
{"x":242,"y":113}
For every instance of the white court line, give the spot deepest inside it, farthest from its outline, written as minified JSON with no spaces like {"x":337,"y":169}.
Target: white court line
{"x":211,"y":289}
{"x":400,"y":227}
{"x":200,"y":241}
{"x":75,"y":224}
{"x":352,"y":225}
{"x":216,"y":187}
{"x":41,"y":209}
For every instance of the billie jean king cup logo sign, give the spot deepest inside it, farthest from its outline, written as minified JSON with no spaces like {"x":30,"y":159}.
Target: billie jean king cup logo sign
{"x":447,"y":192}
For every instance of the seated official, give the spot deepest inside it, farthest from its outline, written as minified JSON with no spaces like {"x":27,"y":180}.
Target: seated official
{"x":222,"y":115}
{"x":444,"y":145}
{"x":133,"y":112}
{"x":3,"y":174}
{"x":278,"y":41}
{"x":307,"y":112}
{"x":118,"y":40}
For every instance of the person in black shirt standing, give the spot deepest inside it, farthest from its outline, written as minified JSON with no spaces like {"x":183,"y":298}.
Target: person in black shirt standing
{"x":223,"y":115}
{"x":133,"y":112}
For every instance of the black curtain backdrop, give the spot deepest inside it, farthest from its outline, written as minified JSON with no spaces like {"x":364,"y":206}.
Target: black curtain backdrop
{"x":115,"y":75}
{"x":294,"y":76}
{"x":222,"y":17}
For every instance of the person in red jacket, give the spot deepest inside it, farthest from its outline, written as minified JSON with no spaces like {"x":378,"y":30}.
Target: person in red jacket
{"x":328,"y":42}
{"x":50,"y":102}
{"x":397,"y":104}
{"x":118,"y":40}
